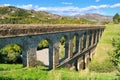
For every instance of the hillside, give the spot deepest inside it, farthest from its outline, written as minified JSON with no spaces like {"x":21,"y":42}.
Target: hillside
{"x":14,"y":15}
{"x":95,"y":17}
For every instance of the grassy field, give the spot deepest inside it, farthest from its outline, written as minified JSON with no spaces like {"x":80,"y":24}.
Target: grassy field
{"x":16,"y":72}
{"x":101,"y":59}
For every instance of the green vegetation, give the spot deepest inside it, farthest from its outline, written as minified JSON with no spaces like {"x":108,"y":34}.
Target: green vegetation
{"x":116,"y":18}
{"x":8,"y":67}
{"x":115,"y":55}
{"x":102,"y":61}
{"x":101,"y":64}
{"x":61,"y":51}
{"x":62,"y":40}
{"x":105,"y":60}
{"x":10,"y":54}
{"x":40,"y":73}
{"x":13,"y":15}
{"x":43,"y":44}
{"x":62,"y":47}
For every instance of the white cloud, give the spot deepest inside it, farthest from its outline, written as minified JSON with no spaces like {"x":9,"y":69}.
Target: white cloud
{"x":97,"y":0}
{"x":115,"y":5}
{"x":28,"y":6}
{"x":67,"y":3}
{"x":6,"y":4}
{"x":94,"y":7}
{"x":70,"y":10}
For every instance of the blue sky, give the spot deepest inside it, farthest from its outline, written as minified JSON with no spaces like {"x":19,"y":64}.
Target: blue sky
{"x":68,"y":7}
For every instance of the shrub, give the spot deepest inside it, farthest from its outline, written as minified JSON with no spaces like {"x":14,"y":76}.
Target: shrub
{"x":43,"y":44}
{"x":62,"y":40}
{"x":39,"y":63}
{"x":115,"y":54}
{"x":105,"y":66}
{"x":10,"y":54}
{"x":116,"y":18}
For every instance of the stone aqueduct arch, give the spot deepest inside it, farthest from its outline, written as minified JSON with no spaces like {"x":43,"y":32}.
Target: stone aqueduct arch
{"x":28,"y":38}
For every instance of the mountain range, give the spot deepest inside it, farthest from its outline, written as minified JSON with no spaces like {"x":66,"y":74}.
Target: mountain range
{"x":95,"y":17}
{"x":14,"y":15}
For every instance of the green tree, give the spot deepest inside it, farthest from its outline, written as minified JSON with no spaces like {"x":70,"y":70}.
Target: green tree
{"x":43,"y":44}
{"x":62,"y":40}
{"x":10,"y":54}
{"x":115,"y":55}
{"x":116,"y":18}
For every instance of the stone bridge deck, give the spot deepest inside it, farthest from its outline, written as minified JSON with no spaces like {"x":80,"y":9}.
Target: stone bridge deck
{"x":8,"y":30}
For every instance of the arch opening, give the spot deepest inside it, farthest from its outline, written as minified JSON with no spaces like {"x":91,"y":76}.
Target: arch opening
{"x":43,"y":53}
{"x":75,"y":43}
{"x":94,"y":39}
{"x":90,"y":39}
{"x":81,"y":43}
{"x":84,"y":41}
{"x":63,"y":48}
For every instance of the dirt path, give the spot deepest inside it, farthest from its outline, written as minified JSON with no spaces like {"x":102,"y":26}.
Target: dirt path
{"x":42,"y":55}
